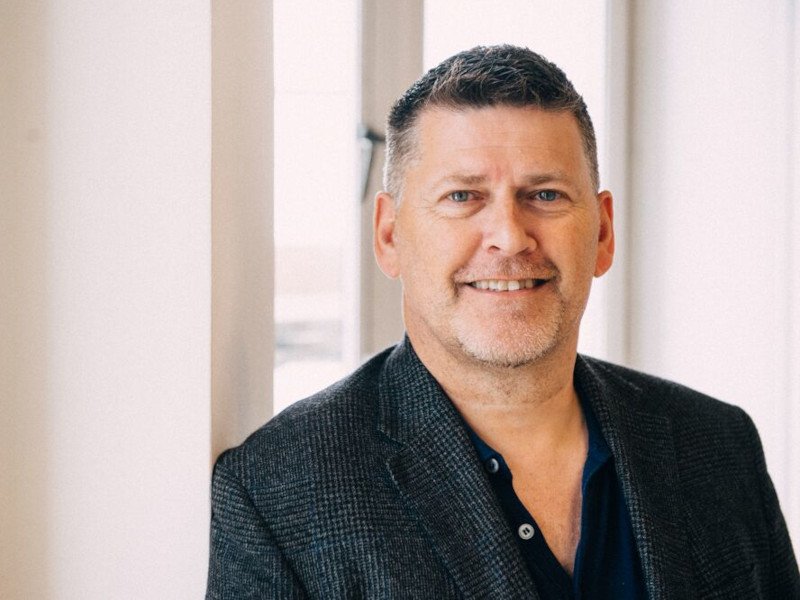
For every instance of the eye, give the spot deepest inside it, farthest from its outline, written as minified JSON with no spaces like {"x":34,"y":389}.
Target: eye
{"x":548,"y":195}
{"x":459,"y":196}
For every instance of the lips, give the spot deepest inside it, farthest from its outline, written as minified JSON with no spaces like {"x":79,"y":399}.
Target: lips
{"x":506,"y":285}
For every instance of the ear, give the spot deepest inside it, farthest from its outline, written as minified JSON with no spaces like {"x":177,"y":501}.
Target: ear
{"x":605,"y":238}
{"x":383,"y":229}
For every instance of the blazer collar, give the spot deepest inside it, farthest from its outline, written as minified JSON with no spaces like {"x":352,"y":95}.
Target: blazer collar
{"x":641,"y":440}
{"x":437,"y":473}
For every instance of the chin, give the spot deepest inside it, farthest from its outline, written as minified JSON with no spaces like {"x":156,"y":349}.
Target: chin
{"x":509,"y":349}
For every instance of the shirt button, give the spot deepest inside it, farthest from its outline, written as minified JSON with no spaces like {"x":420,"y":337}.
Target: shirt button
{"x":526,"y":531}
{"x":492,"y":466}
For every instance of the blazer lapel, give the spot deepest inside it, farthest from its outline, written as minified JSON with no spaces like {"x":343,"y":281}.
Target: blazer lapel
{"x":438,"y":476}
{"x":640,"y":439}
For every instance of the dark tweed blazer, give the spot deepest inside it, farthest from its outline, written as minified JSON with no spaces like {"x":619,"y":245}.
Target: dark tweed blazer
{"x":371,"y":489}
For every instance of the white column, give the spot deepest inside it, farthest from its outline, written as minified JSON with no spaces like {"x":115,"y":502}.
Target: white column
{"x":791,"y":421}
{"x":611,"y":313}
{"x":391,"y":60}
{"x":242,"y":284}
{"x":24,"y":318}
{"x":105,"y":159}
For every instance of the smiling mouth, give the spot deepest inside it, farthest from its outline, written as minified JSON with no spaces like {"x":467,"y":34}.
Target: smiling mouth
{"x":507,"y":285}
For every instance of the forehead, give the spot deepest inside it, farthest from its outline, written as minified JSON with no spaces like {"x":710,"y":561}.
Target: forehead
{"x":499,"y":137}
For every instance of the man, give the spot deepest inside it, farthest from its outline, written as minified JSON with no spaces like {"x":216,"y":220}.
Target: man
{"x":482,"y":457}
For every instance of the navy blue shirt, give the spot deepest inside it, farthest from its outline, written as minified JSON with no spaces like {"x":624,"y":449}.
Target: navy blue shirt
{"x":606,"y":562}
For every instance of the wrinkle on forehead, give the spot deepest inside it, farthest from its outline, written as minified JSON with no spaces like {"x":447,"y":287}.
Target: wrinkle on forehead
{"x":497,"y":133}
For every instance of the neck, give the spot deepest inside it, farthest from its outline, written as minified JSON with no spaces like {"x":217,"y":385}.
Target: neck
{"x":534,"y":404}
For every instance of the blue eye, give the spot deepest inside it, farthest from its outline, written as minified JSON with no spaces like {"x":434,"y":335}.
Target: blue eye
{"x":548,"y":195}
{"x":459,"y":196}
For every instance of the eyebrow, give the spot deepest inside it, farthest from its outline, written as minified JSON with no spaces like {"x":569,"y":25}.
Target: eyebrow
{"x":459,"y":179}
{"x":534,"y":179}
{"x":541,"y":178}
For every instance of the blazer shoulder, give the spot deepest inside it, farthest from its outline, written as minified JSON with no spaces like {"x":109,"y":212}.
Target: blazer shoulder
{"x":337,"y":419}
{"x":674,"y":400}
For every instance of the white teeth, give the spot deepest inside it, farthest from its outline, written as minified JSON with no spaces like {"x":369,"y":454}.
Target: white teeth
{"x":503,"y":285}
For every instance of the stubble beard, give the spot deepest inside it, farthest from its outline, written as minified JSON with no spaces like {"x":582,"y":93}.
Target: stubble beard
{"x":517,"y":341}
{"x":520,"y":336}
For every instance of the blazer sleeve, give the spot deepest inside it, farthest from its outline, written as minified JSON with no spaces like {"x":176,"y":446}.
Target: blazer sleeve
{"x":784,"y":576}
{"x":244,"y":560}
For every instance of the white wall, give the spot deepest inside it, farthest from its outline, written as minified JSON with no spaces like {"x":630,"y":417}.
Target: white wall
{"x":105,"y":289}
{"x":713,"y":222}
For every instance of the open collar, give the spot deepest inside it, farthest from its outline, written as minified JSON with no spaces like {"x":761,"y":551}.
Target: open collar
{"x":640,"y":437}
{"x":437,"y":473}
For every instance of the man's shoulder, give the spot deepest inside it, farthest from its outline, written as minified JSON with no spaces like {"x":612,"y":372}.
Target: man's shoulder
{"x":335,"y":420}
{"x":683,"y":405}
{"x":705,"y":439}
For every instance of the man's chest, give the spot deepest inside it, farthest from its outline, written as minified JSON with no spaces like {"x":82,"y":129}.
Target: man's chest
{"x":552,"y":496}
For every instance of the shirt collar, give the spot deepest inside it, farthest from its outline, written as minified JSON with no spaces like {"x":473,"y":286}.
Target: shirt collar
{"x":598,"y":452}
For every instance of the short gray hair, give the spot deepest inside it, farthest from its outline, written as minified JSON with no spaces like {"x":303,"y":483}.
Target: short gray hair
{"x":483,"y":76}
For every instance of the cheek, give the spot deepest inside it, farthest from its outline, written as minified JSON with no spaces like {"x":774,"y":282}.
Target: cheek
{"x":436,"y":250}
{"x":573,"y":251}
{"x":418,"y":265}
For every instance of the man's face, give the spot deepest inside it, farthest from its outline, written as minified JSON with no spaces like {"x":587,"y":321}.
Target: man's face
{"x":498,"y":234}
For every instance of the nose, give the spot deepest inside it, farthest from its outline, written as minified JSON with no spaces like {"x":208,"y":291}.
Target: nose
{"x":507,"y":229}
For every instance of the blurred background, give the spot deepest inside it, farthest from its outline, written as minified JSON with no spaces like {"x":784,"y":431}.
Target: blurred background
{"x":185,"y":244}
